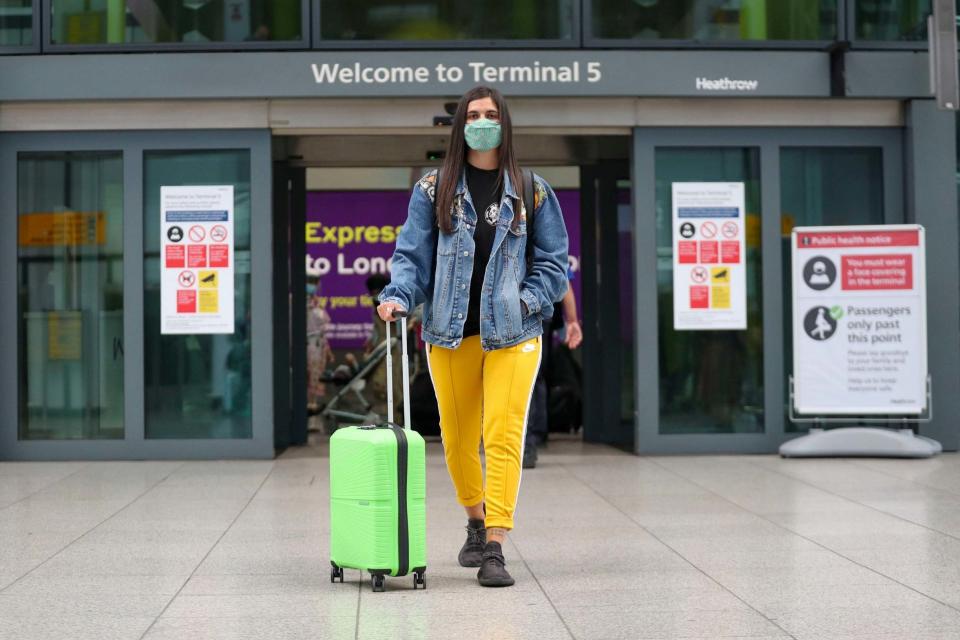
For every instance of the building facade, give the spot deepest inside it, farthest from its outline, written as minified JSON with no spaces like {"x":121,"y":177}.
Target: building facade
{"x":821,"y":108}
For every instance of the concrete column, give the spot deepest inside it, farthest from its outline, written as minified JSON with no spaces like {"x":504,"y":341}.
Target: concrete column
{"x":931,"y":166}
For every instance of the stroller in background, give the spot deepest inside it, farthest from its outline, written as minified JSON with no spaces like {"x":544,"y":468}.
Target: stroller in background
{"x":349,"y":404}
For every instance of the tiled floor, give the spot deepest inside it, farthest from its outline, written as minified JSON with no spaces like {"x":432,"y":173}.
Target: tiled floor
{"x":608,"y":545}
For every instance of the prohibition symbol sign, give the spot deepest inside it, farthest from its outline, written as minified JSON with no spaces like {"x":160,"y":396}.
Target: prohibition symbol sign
{"x":730,"y":229}
{"x":708,"y":229}
{"x":218,"y":233}
{"x":186,"y":278}
{"x":197,"y":233}
{"x":699,"y":275}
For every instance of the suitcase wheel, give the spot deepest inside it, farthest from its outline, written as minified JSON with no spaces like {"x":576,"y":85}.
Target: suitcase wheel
{"x":378,"y":583}
{"x":336,"y":572}
{"x":419,"y":580}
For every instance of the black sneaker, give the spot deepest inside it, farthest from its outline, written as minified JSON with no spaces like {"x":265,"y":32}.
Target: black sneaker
{"x":530,"y":455}
{"x":471,"y":553}
{"x":493,"y":572}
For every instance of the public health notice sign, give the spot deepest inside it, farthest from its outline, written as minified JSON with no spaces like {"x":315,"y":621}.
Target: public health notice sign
{"x":196,"y":244}
{"x":709,"y":256}
{"x":859,"y":320}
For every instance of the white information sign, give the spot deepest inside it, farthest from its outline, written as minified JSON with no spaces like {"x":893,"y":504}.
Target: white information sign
{"x":859,"y":320}
{"x":196,"y":241}
{"x":709,"y":256}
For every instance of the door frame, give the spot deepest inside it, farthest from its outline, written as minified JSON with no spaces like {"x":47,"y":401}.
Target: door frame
{"x":289,"y":292}
{"x":134,"y":445}
{"x":768,"y":140}
{"x":603,"y":377}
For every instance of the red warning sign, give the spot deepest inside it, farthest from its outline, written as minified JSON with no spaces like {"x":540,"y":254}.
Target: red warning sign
{"x":687,"y":252}
{"x":174,"y":256}
{"x":877,"y":272}
{"x":186,"y":301}
{"x":699,"y":297}
{"x":852,"y":239}
{"x":730,"y":252}
{"x":196,"y":255}
{"x":218,"y":233}
{"x":187,"y":279}
{"x":708,"y":252}
{"x":219,"y":255}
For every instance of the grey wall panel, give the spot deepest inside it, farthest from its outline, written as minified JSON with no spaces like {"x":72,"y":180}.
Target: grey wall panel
{"x":887,"y":74}
{"x":8,"y":291}
{"x":932,"y":202}
{"x":261,"y":312}
{"x":646,"y":359}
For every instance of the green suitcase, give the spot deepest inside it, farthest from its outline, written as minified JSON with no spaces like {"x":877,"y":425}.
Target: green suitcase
{"x":378,"y":494}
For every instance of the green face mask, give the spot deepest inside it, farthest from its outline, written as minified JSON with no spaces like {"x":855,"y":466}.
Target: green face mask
{"x":482,"y":134}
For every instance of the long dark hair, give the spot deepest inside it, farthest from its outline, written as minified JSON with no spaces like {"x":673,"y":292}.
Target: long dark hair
{"x":457,"y":155}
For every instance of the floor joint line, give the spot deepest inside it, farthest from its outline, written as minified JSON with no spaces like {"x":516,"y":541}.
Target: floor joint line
{"x":680,"y":555}
{"x":210,"y":550}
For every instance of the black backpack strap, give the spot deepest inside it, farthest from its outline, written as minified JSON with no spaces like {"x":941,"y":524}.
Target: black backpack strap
{"x":528,"y":204}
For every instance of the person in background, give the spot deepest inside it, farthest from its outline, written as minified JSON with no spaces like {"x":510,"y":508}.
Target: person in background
{"x":375,"y":285}
{"x":319,"y":354}
{"x":538,"y":426}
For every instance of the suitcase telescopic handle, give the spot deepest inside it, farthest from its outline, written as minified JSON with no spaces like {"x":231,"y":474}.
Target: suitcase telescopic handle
{"x":401,"y":317}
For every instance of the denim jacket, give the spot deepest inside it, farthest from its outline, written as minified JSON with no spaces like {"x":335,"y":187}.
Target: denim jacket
{"x":444,"y":288}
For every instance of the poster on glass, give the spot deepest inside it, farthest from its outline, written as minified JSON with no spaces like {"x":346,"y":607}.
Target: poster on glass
{"x":196,"y":240}
{"x":709,"y":262}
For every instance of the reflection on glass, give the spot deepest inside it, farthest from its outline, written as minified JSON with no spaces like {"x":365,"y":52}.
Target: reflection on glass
{"x":715,"y":20}
{"x":823,"y":186}
{"x":197,"y":386}
{"x":446,"y":20}
{"x":16,"y":23}
{"x":888,"y":20}
{"x":70,"y":295}
{"x":193,"y":21}
{"x":710,"y":381}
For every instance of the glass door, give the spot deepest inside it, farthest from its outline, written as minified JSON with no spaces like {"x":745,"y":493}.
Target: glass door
{"x":710,"y":381}
{"x":713,"y":391}
{"x":90,"y":373}
{"x":70,"y":294}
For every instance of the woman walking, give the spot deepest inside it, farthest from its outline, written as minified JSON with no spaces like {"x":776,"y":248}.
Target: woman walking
{"x":463,"y":253}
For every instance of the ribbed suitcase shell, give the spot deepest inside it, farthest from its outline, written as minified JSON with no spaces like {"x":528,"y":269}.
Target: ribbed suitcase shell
{"x":364,"y":500}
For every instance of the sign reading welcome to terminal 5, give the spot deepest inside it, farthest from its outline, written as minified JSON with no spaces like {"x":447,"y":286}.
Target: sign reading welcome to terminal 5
{"x":305,"y":74}
{"x":479,"y":72}
{"x":482,"y":72}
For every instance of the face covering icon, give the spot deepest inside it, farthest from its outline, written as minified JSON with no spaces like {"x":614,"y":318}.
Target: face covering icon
{"x":482,"y":134}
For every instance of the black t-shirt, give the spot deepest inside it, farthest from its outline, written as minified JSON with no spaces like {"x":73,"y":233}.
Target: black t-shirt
{"x":482,"y":184}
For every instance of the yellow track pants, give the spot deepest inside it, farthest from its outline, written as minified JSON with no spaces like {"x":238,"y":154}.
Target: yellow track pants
{"x":485,"y":393}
